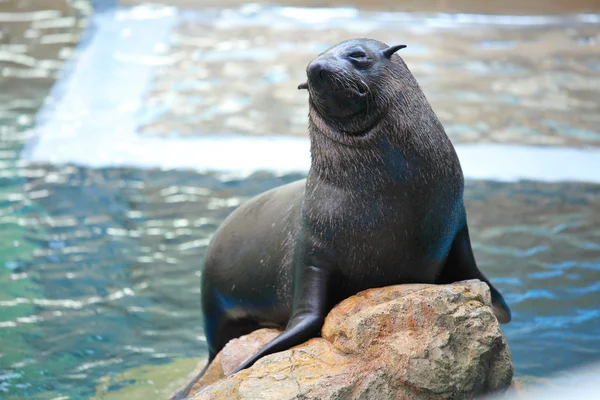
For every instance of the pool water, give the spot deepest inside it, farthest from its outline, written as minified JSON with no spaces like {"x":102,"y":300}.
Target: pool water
{"x":100,"y":259}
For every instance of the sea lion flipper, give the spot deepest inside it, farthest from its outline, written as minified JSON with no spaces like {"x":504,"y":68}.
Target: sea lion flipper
{"x":461,"y":265}
{"x":308,"y":315}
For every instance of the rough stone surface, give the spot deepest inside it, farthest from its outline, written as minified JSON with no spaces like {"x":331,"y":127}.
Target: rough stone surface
{"x":398,"y":342}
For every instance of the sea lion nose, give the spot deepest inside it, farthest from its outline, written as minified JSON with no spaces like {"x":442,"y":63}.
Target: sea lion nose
{"x":317,"y":70}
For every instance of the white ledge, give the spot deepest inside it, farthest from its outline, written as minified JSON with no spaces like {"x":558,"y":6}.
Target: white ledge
{"x":90,"y":117}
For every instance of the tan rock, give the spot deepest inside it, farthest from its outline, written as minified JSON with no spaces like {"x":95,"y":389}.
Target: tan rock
{"x":398,"y":342}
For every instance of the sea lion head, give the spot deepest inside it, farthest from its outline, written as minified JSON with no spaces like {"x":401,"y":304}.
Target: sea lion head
{"x":352,"y":84}
{"x":368,"y":113}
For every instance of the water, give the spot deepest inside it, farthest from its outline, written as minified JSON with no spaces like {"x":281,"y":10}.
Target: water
{"x":99,"y":264}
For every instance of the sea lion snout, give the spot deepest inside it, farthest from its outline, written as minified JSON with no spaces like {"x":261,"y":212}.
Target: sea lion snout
{"x":319,"y":71}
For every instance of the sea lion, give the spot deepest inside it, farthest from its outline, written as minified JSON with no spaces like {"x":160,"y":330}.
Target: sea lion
{"x":382,"y":205}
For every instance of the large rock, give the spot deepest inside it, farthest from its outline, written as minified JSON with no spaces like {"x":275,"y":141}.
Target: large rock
{"x":398,"y":342}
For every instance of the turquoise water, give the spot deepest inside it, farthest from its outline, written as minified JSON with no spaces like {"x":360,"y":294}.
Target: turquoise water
{"x":99,"y":267}
{"x":108,"y":277}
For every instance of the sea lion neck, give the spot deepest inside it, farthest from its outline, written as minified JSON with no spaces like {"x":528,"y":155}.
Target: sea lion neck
{"x":370,"y":162}
{"x":354,"y":131}
{"x":392,"y":152}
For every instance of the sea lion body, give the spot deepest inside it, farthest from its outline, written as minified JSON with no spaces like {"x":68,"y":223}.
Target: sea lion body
{"x":382,"y":204}
{"x":248,"y":276}
{"x":248,"y":271}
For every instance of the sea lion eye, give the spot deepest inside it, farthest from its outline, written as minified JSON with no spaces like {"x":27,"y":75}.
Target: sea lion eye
{"x":358,"y":54}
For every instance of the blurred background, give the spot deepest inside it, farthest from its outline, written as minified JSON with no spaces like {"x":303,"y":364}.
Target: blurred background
{"x":128,"y":131}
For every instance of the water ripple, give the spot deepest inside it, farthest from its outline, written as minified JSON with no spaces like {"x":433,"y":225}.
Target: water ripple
{"x":530,"y":86}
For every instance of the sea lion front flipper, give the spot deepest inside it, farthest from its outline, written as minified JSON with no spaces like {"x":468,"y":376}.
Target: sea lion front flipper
{"x":461,"y":265}
{"x":308,"y":314}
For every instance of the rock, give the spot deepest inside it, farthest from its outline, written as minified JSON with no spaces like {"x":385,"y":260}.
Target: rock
{"x":398,"y":342}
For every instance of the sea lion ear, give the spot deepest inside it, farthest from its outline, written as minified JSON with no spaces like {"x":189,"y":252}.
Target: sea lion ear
{"x":303,"y":86}
{"x":387,"y":53}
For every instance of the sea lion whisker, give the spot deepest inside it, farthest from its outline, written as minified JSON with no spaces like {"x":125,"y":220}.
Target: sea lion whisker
{"x":340,"y":82}
{"x":352,"y":82}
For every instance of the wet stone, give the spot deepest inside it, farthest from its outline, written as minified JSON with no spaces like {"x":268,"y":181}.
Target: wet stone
{"x":398,"y":342}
